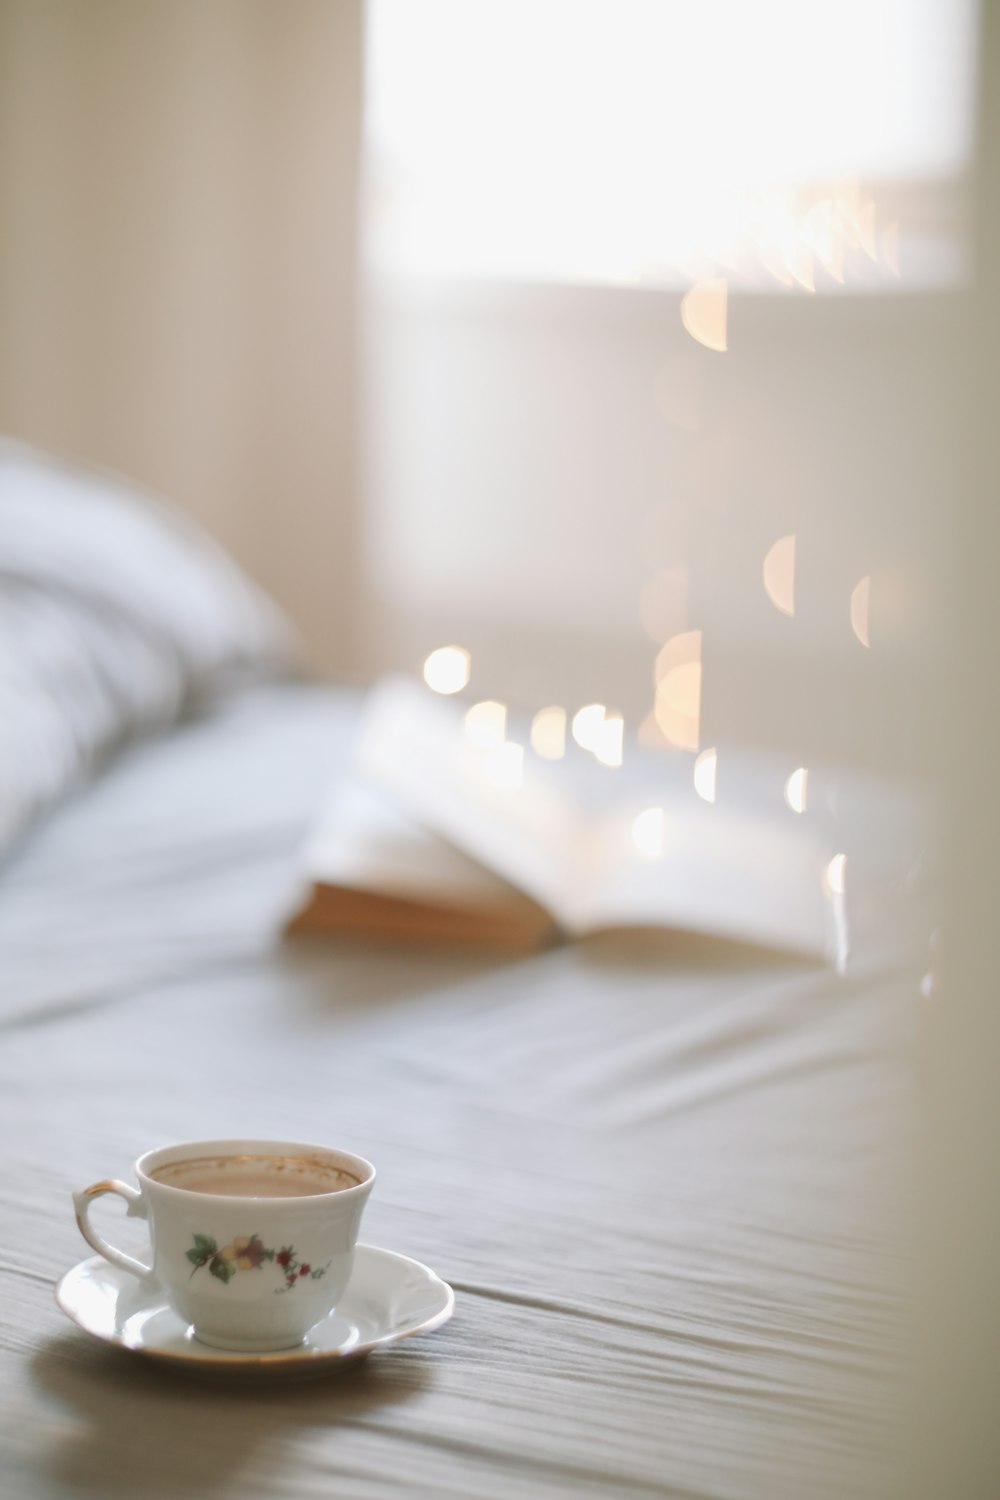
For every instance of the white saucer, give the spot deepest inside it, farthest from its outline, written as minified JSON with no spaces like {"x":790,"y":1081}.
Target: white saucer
{"x":390,"y":1297}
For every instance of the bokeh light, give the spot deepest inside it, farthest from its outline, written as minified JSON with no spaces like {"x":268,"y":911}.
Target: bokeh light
{"x":608,"y":742}
{"x":704,"y":774}
{"x":678,"y":690}
{"x":647,"y":833}
{"x":860,"y":599}
{"x":548,"y":733}
{"x":704,"y":313}
{"x":779,"y":575}
{"x":447,"y":669}
{"x":796,"y":790}
{"x":587,"y":724}
{"x":486,"y":723}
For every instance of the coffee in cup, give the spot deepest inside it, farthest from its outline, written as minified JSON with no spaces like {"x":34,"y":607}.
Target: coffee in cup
{"x":256,"y":1175}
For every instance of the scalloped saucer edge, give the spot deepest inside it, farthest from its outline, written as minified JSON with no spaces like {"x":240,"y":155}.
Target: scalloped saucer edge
{"x":390,"y":1297}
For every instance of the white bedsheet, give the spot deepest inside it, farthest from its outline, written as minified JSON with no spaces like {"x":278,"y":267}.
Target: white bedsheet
{"x":661,"y":1184}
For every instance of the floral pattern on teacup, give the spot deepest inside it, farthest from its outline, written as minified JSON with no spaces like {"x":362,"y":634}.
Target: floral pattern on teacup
{"x":246,"y":1252}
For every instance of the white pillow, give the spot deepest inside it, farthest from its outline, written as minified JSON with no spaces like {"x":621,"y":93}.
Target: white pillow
{"x":117,"y":616}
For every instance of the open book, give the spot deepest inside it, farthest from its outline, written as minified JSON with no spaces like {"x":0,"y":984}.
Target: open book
{"x":430,"y":844}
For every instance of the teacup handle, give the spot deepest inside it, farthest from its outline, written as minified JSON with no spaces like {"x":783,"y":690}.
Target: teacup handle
{"x":136,"y":1210}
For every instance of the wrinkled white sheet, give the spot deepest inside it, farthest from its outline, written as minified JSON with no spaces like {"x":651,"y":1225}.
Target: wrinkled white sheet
{"x":657,"y":1180}
{"x":116,"y":615}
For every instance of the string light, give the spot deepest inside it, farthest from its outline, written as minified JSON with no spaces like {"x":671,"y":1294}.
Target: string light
{"x":447,"y":669}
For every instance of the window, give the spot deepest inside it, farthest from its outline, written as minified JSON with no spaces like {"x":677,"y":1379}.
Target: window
{"x":660,"y":346}
{"x":662,"y":141}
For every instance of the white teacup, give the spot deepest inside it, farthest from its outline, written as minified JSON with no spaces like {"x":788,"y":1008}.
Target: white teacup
{"x":252,"y":1241}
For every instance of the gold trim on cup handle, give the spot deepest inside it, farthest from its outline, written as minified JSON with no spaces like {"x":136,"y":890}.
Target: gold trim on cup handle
{"x":136,"y":1210}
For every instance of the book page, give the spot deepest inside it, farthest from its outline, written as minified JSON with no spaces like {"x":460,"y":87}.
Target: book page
{"x":732,"y":869}
{"x":365,"y":842}
{"x":724,"y":871}
{"x":414,"y":747}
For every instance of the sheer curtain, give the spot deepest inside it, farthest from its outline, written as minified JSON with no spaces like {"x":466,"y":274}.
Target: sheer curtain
{"x":178,"y":189}
{"x":662,"y":316}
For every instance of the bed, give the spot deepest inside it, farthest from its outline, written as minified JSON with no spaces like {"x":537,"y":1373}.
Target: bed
{"x":660,"y":1179}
